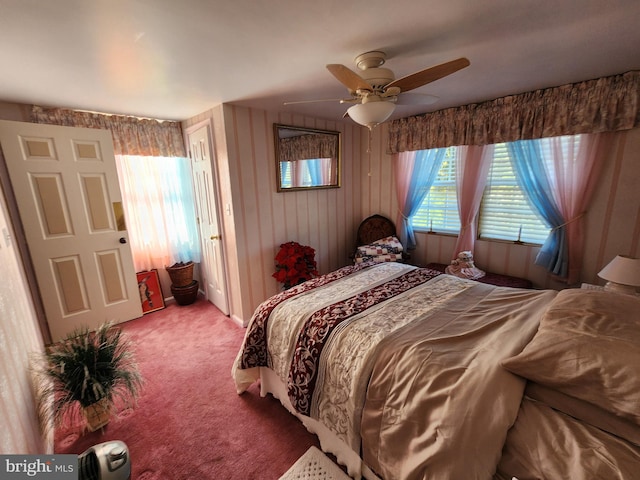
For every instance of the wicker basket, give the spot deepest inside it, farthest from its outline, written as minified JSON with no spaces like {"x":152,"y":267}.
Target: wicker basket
{"x":181,"y":273}
{"x":185,"y":295}
{"x":97,"y":414}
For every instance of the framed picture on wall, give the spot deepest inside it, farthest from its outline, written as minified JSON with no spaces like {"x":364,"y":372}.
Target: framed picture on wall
{"x":150,"y":292}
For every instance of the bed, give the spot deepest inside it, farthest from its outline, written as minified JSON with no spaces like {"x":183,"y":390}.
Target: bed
{"x":408,"y":373}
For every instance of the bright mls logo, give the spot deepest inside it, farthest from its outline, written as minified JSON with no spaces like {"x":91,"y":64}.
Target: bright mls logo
{"x":50,"y":467}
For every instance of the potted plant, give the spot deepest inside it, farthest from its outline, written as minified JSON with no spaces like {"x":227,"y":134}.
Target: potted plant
{"x":295,"y":264}
{"x":87,"y":372}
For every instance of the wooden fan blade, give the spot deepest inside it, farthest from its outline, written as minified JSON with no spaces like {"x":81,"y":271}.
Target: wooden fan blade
{"x":429,"y":75}
{"x":348,"y":78}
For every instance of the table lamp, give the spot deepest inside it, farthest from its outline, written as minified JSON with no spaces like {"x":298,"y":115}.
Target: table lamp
{"x":622,"y":275}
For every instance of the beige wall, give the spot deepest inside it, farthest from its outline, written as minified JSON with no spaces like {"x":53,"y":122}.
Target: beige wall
{"x":16,"y":112}
{"x":20,"y":338}
{"x":613,"y":222}
{"x":261,"y":218}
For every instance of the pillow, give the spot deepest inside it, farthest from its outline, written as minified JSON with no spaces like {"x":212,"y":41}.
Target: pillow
{"x":546,"y":444}
{"x":588,"y":347}
{"x":388,"y":249}
{"x":585,"y":412}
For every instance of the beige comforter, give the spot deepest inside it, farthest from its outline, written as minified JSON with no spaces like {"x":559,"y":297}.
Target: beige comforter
{"x":439,"y":404}
{"x":407,"y":371}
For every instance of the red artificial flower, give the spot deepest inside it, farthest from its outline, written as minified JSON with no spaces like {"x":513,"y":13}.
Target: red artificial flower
{"x":295,"y":264}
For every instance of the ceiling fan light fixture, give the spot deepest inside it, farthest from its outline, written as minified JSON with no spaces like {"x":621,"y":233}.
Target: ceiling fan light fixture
{"x":371,"y":114}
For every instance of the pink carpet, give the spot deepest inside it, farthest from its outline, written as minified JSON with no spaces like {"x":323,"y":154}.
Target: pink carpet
{"x":189,"y":422}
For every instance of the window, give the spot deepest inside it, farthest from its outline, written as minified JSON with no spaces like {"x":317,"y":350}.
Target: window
{"x":439,"y":209}
{"x":157,"y":193}
{"x":285,"y":175}
{"x":505,"y":211}
{"x":305,"y":173}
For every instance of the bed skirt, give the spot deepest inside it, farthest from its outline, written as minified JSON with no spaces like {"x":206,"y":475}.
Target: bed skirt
{"x":329,"y":442}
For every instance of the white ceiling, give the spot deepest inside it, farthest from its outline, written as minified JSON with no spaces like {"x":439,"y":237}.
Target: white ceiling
{"x":173,"y":59}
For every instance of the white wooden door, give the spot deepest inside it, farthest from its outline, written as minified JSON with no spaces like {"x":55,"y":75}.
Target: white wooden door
{"x":66,"y":188}
{"x":212,"y":267}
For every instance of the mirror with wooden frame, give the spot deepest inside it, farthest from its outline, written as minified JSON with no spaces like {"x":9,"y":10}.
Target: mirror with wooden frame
{"x":306,"y":158}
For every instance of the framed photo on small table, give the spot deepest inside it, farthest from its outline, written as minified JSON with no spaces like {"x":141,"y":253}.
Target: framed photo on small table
{"x":151,"y":296}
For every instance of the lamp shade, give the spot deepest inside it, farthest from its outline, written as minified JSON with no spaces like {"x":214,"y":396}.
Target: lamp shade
{"x":622,"y":270}
{"x":371,"y":114}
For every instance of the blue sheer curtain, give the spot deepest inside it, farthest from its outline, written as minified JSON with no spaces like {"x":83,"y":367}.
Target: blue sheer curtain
{"x":533,"y":177}
{"x":285,"y":174}
{"x":315,"y":171}
{"x":415,"y":173}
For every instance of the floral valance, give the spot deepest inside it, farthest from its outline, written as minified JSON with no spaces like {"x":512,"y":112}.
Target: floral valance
{"x":304,"y":147}
{"x":131,"y":135}
{"x":602,"y":105}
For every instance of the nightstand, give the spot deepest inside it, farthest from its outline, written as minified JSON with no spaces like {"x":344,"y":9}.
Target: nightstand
{"x":491,"y":278}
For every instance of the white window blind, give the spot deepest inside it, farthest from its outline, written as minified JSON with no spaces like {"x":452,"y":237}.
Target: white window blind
{"x":285,"y":175}
{"x":439,"y":209}
{"x":505,"y":212}
{"x":303,"y":174}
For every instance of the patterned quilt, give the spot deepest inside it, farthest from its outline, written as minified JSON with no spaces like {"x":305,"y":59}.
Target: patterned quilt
{"x":387,"y":249}
{"x":324,"y":332}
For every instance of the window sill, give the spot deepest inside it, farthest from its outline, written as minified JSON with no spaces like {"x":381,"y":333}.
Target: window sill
{"x":511,"y":242}
{"x":482,"y":239}
{"x":427,"y":232}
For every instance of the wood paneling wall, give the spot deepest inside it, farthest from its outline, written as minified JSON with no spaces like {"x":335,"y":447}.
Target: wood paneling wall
{"x":20,"y":320}
{"x":259,"y":218}
{"x":327,"y":219}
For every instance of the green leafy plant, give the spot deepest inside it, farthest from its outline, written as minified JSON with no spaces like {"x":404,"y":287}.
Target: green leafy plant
{"x":84,"y":369}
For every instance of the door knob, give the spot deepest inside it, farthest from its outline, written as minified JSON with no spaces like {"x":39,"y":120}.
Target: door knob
{"x":216,"y":237}
{"x":122,"y":240}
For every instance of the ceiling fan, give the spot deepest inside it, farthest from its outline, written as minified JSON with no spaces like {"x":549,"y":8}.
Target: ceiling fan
{"x":375,"y":90}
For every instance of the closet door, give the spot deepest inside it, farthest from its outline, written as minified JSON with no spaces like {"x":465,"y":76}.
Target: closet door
{"x":212,"y":268}
{"x":66,"y":187}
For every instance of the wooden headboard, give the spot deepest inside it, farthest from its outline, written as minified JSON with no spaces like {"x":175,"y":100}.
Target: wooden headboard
{"x":374,"y":228}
